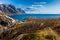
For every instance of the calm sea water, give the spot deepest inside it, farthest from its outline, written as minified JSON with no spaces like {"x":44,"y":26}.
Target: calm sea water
{"x":39,"y":16}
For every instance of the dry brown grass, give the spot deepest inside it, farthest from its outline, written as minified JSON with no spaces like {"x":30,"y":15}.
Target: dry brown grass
{"x":35,"y":30}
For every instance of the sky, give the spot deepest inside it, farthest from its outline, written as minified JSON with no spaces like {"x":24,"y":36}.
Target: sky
{"x":36,"y":6}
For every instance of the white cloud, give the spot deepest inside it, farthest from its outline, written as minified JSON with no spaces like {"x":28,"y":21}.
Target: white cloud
{"x":36,"y":3}
{"x":45,"y":10}
{"x":54,"y":8}
{"x":43,"y":2}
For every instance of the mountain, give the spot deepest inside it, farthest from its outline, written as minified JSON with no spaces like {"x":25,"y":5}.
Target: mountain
{"x":20,"y":10}
{"x":9,"y":9}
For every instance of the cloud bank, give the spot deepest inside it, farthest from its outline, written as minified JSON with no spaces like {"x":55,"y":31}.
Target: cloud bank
{"x":44,"y":8}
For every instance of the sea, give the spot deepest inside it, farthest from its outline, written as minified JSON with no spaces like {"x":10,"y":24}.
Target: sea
{"x":22,"y":17}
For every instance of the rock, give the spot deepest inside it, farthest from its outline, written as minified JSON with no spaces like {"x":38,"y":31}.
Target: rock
{"x":6,"y":22}
{"x":21,"y":11}
{"x":9,"y":9}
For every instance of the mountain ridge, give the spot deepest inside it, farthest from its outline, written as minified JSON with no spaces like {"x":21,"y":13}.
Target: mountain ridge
{"x":9,"y":9}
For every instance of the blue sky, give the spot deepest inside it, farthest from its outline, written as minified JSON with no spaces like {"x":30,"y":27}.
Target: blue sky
{"x":36,"y":6}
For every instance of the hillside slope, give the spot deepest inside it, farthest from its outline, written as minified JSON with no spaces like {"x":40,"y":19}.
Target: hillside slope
{"x":30,"y":29}
{"x":9,"y":9}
